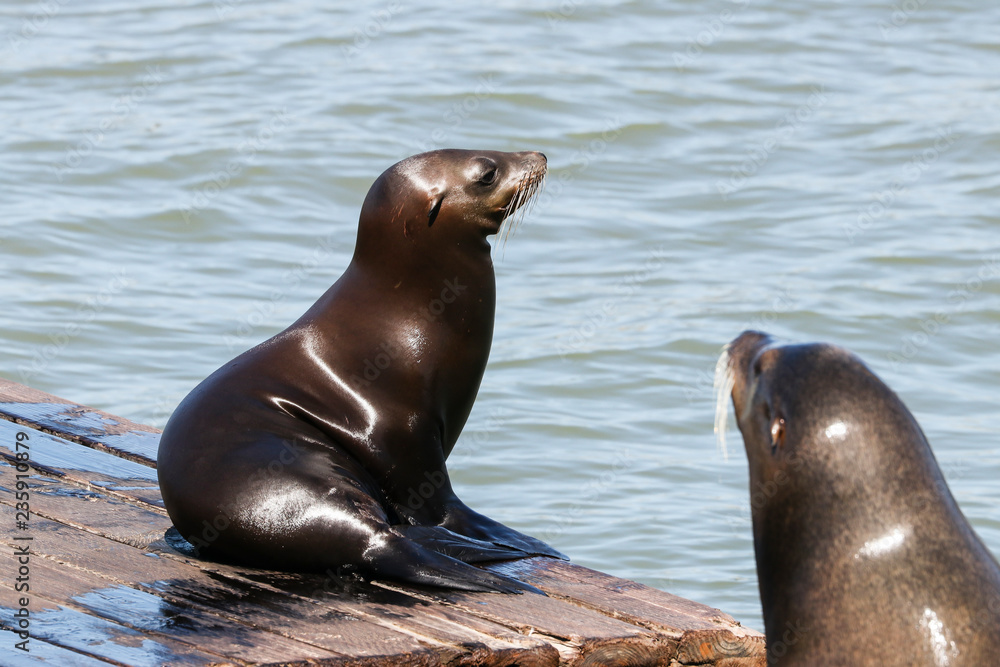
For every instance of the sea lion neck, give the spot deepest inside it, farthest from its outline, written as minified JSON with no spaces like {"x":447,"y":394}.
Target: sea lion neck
{"x":460,"y":288}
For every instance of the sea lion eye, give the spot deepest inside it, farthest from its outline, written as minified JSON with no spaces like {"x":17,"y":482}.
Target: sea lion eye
{"x":489,"y":177}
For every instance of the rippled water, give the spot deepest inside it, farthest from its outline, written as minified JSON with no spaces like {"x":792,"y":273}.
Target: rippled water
{"x":180,"y":181}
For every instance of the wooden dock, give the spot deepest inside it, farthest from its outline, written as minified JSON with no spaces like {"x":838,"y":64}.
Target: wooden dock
{"x":89,"y":576}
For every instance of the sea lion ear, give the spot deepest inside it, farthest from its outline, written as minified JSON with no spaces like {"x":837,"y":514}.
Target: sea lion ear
{"x":435,"y":207}
{"x":777,"y":434}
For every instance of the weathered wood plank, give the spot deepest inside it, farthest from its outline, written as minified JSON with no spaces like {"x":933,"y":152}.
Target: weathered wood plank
{"x":108,"y":529}
{"x":159,"y":620}
{"x":703,"y":633}
{"x":576,"y":631}
{"x":87,"y":426}
{"x":41,"y":652}
{"x":74,"y":630}
{"x":233,"y":601}
{"x":395,"y":625}
{"x":54,"y":456}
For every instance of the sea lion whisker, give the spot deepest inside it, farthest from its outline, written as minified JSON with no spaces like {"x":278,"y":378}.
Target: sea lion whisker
{"x":725,"y":380}
{"x":521,"y":204}
{"x":537,"y":186}
{"x":505,"y":229}
{"x":513,"y":208}
{"x":527,"y":196}
{"x":512,"y":204}
{"x":529,"y":200}
{"x":531,"y":189}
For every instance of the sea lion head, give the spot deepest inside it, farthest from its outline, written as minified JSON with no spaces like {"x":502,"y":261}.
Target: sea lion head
{"x":857,"y":537}
{"x":814,"y":412}
{"x":447,"y":197}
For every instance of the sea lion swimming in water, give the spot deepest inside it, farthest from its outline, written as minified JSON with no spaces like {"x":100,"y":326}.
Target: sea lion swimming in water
{"x":324,"y":447}
{"x":863,"y":556}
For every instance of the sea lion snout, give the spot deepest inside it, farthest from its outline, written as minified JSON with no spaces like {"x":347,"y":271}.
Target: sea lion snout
{"x":745,"y":347}
{"x":743,"y":351}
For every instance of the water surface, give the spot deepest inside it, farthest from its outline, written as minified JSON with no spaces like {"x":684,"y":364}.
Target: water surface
{"x":179,"y":181}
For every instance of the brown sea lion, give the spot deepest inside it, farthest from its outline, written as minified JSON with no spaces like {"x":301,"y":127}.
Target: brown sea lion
{"x":863,"y":556}
{"x":324,"y":447}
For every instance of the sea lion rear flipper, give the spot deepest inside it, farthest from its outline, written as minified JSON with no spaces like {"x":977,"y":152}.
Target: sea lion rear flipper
{"x":407,"y":560}
{"x":526,"y":543}
{"x":469,"y":523}
{"x":460,"y":547}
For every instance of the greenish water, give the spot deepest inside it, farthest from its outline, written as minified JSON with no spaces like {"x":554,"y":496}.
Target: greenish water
{"x":179,"y":181}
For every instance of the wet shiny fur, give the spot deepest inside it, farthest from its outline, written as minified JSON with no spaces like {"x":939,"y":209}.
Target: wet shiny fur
{"x":863,"y":556}
{"x":324,"y":447}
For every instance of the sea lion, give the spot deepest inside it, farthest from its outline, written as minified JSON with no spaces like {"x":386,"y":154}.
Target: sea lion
{"x":863,"y":556}
{"x":324,"y":447}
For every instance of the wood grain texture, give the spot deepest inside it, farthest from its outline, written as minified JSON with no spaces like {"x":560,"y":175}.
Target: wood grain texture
{"x":55,"y":457}
{"x":186,"y":629}
{"x":102,"y":564}
{"x":44,"y":653}
{"x":297,"y":607}
{"x":78,"y":423}
{"x":703,"y":633}
{"x":76,"y":631}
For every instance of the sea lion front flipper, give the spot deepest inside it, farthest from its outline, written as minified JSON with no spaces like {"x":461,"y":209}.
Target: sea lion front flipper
{"x":461,"y":547}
